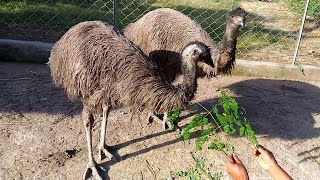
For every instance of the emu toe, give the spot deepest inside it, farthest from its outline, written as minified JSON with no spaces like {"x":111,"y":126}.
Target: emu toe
{"x":103,"y":152}
{"x":156,"y":119}
{"x":166,"y":124}
{"x":91,"y":171}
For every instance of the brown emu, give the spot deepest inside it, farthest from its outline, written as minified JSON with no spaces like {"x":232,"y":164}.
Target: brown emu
{"x":162,"y":33}
{"x":105,"y":70}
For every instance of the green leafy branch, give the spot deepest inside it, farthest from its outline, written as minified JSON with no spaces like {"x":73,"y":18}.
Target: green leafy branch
{"x":229,"y":120}
{"x":230,"y":117}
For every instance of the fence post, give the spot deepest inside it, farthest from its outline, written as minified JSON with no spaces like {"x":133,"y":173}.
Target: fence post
{"x":115,"y":10}
{"x":300,"y":33}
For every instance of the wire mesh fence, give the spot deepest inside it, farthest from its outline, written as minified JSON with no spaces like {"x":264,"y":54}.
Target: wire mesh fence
{"x":270,"y":34}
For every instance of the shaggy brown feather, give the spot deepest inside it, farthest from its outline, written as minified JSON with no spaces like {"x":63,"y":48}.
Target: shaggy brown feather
{"x":103,"y":68}
{"x":162,"y":33}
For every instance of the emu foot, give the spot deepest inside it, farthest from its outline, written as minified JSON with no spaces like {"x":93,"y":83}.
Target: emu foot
{"x":103,"y":152}
{"x":166,"y":124}
{"x":91,"y":171}
{"x":153,"y":118}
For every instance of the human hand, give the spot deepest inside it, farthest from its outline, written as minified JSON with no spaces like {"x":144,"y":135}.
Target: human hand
{"x":265,"y":158}
{"x":235,"y":168}
{"x":267,"y":161}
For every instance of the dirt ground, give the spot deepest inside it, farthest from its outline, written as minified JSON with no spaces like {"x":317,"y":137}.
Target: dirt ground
{"x":42,"y":135}
{"x":281,"y":22}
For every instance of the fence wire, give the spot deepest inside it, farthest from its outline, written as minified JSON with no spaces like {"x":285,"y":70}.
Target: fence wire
{"x":270,"y":34}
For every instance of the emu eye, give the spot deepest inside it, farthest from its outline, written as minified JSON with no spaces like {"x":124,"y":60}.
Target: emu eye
{"x":195,"y":52}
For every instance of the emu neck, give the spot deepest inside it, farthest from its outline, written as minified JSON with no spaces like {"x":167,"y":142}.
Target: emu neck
{"x":230,"y":37}
{"x":189,"y":83}
{"x":227,"y":53}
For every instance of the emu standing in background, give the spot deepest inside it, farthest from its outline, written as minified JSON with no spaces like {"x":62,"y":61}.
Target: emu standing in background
{"x":105,"y":70}
{"x":162,"y":33}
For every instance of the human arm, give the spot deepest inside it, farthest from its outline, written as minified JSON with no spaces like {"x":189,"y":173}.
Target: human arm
{"x":235,"y":168}
{"x":267,"y":161}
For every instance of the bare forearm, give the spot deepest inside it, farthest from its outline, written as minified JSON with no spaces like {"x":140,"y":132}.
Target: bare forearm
{"x":278,"y":173}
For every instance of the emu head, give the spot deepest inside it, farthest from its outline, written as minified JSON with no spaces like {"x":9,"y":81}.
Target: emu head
{"x":196,"y":51}
{"x":237,"y":16}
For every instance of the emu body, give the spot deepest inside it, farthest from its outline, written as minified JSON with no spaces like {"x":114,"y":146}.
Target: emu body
{"x":102,"y":68}
{"x":162,"y":34}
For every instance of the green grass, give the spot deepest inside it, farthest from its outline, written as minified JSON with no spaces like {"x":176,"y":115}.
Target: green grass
{"x":298,"y":6}
{"x":60,"y":15}
{"x":200,"y":171}
{"x":55,"y":16}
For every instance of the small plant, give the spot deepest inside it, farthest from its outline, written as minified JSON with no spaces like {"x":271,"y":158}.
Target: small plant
{"x":172,"y":118}
{"x":198,"y":172}
{"x":229,"y":120}
{"x":301,"y":69}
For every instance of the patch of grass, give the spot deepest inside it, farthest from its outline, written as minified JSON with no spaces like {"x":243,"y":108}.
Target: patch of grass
{"x":60,"y":15}
{"x":298,"y":6}
{"x":198,"y":172}
{"x":55,"y":16}
{"x":300,"y":68}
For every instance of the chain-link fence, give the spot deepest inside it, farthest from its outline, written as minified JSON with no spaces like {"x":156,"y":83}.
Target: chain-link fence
{"x":270,"y":34}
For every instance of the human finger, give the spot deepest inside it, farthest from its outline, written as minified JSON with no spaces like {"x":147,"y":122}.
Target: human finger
{"x":230,"y":159}
{"x":256,"y":153}
{"x":262,"y":150}
{"x":236,"y":159}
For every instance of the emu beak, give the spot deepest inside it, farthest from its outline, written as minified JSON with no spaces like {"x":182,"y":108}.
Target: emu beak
{"x":242,"y":23}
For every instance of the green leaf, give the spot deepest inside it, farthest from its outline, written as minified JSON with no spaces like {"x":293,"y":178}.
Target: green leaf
{"x":172,"y":117}
{"x":242,"y":130}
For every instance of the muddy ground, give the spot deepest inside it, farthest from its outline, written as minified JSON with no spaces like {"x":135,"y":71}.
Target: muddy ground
{"x":42,"y":135}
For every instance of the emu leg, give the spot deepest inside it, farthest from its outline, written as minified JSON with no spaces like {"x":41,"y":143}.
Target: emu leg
{"x":102,"y":149}
{"x":154,"y":118}
{"x":164,"y":122}
{"x":92,"y":165}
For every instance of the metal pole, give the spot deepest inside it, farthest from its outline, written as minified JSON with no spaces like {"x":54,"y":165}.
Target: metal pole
{"x":115,"y":14}
{"x":300,"y":33}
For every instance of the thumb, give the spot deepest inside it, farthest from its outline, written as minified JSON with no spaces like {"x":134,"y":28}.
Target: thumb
{"x":262,"y":150}
{"x":236,"y":159}
{"x":230,"y":159}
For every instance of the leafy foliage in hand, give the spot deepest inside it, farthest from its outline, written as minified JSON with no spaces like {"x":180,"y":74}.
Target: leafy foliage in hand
{"x":228,"y":121}
{"x":172,"y":118}
{"x":199,"y":171}
{"x":230,"y":118}
{"x":220,"y":146}
{"x":197,"y":122}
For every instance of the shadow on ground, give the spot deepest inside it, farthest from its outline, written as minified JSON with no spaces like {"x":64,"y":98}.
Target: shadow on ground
{"x":29,"y":88}
{"x":276,"y":108}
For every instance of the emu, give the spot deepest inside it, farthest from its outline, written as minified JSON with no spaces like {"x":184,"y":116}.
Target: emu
{"x":164,"y":32}
{"x":102,"y":68}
